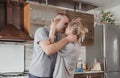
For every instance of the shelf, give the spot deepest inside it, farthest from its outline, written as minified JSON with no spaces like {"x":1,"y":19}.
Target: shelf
{"x":89,"y":72}
{"x":17,"y":3}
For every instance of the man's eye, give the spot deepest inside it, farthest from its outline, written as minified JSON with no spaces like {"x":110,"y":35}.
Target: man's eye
{"x":65,"y":23}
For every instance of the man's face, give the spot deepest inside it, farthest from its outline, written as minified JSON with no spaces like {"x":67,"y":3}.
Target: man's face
{"x":62,"y":25}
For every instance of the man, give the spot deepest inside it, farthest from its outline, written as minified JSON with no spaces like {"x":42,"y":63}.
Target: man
{"x":44,"y":54}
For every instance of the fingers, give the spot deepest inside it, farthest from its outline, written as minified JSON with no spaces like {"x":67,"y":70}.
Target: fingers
{"x":72,"y":38}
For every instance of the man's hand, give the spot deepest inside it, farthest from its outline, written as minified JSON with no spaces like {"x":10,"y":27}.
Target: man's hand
{"x":72,"y":38}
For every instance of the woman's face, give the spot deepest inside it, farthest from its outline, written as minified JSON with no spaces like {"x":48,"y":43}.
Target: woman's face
{"x":68,"y":31}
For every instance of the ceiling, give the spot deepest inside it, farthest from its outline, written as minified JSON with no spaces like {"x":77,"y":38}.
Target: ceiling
{"x":102,"y":4}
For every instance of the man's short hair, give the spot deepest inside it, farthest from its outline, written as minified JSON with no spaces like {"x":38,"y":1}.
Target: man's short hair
{"x":61,"y":14}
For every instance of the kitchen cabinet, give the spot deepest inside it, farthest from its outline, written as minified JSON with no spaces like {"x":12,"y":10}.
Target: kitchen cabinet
{"x":12,"y":12}
{"x":97,"y":75}
{"x":89,"y":75}
{"x":12,"y":21}
{"x":2,"y":14}
{"x":80,"y":76}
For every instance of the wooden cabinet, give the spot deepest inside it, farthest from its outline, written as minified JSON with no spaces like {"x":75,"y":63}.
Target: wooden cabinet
{"x":97,"y":75}
{"x":81,"y":76}
{"x":11,"y":12}
{"x":89,"y":75}
{"x":12,"y":21}
{"x":2,"y":14}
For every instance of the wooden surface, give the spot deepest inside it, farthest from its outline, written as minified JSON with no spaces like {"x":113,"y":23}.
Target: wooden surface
{"x":27,"y":18}
{"x":11,"y":33}
{"x":9,"y":13}
{"x":2,"y":15}
{"x":14,"y":29}
{"x":89,"y":75}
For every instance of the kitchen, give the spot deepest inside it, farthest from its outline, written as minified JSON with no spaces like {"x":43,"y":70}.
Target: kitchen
{"x":28,"y":15}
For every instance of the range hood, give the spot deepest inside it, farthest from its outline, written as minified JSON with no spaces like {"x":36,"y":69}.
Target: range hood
{"x":11,"y":33}
{"x":13,"y":28}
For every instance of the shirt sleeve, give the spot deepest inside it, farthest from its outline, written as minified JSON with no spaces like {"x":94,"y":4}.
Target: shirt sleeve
{"x":41,"y":34}
{"x":67,"y":49}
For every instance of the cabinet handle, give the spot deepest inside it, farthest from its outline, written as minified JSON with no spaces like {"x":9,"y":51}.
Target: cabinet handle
{"x":105,"y":75}
{"x":87,"y":77}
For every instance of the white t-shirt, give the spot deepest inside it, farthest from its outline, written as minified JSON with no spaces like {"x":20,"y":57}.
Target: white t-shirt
{"x":66,"y":61}
{"x":42,"y":65}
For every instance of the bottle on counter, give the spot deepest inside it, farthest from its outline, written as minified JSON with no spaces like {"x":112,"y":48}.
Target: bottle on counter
{"x":84,"y":66}
{"x":79,"y":66}
{"x":96,"y":65}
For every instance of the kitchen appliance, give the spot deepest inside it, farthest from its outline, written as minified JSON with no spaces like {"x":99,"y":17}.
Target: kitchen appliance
{"x":106,"y":49}
{"x":11,"y":58}
{"x":111,"y":51}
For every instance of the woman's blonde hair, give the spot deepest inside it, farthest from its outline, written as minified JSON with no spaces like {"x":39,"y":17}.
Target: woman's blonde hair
{"x":77,"y":27}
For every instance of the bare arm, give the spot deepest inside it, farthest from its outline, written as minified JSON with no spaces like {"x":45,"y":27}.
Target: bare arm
{"x":53,"y":30}
{"x":55,"y":47}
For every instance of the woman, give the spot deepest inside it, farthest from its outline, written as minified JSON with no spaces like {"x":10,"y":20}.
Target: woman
{"x":67,"y":57}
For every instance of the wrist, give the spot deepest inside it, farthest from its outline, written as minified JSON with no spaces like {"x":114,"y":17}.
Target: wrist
{"x":66,"y":39}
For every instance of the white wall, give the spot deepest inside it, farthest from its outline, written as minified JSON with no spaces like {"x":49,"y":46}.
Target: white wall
{"x":116,"y":12}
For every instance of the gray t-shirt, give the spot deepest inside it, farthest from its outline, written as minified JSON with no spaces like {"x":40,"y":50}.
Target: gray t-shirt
{"x":66,"y":61}
{"x":42,"y":65}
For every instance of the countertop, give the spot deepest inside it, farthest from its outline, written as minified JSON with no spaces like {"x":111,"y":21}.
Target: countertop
{"x":88,"y":72}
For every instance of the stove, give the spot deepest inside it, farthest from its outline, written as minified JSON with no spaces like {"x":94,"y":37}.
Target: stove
{"x":14,"y":75}
{"x":17,"y":77}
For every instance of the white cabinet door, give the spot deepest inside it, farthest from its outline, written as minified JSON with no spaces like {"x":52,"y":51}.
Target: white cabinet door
{"x":11,"y":58}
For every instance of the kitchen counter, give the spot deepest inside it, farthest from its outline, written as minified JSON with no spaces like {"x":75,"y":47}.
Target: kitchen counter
{"x":88,"y":72}
{"x":14,"y":75}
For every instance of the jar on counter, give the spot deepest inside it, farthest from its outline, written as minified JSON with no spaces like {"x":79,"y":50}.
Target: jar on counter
{"x":84,"y":67}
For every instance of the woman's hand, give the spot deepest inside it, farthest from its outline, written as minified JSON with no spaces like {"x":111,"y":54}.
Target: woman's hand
{"x":53,"y":29}
{"x":72,"y":38}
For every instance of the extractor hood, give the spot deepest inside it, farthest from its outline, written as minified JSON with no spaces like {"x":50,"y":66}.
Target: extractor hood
{"x":13,"y":27}
{"x":11,"y":33}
